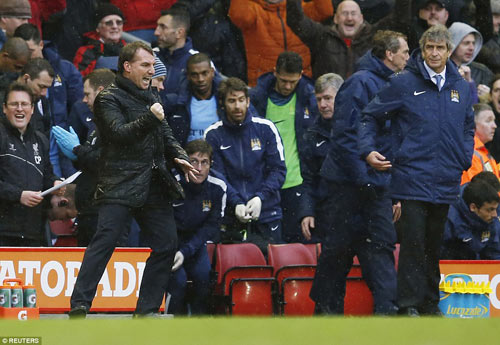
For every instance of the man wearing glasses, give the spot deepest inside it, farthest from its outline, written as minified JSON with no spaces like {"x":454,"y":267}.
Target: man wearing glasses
{"x":105,"y":42}
{"x":25,"y":171}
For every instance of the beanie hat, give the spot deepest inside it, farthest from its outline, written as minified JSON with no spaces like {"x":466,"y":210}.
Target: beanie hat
{"x":444,"y":3}
{"x":106,"y":9}
{"x":495,"y":6}
{"x":160,"y":69}
{"x":15,"y":8}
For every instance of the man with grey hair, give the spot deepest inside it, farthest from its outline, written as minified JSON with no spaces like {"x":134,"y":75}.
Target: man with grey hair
{"x":467,"y":43}
{"x":429,"y":107}
{"x":316,"y":145}
{"x":13,"y":13}
{"x":359,"y":216}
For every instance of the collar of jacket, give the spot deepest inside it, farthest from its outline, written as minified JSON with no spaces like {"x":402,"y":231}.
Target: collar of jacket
{"x":416,"y":65}
{"x":229,"y":124}
{"x":472,"y":218}
{"x":126,"y":84}
{"x":13,"y":130}
{"x":179,"y":51}
{"x":272,"y":7}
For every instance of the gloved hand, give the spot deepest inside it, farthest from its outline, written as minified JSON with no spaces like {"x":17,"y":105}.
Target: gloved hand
{"x":66,"y":141}
{"x":254,"y":207}
{"x":178,"y":261}
{"x":240,"y":213}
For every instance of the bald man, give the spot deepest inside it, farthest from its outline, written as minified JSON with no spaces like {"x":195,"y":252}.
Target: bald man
{"x":336,"y":48}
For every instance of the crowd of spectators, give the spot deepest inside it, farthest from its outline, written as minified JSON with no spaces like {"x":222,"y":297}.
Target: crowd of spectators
{"x":276,"y":103}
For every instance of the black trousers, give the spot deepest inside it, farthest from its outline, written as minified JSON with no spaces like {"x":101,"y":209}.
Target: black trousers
{"x":290,"y":202}
{"x":421,"y":230}
{"x":360,"y":223}
{"x":157,"y":224}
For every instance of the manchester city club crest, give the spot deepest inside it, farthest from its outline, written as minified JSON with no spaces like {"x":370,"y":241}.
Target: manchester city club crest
{"x":455,"y":97}
{"x":207,"y":206}
{"x":255,"y":144}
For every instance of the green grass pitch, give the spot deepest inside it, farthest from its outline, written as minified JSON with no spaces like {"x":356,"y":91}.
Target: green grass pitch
{"x":259,"y":331}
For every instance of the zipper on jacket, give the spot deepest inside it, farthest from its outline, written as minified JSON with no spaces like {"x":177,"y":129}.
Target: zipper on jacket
{"x":243,"y":169}
{"x":282,"y":28}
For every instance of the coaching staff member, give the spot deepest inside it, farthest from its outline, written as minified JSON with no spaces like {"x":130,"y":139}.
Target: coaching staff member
{"x":138,"y":149}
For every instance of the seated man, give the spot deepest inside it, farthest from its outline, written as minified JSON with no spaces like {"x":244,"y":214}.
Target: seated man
{"x":249,"y":152}
{"x":196,"y":106}
{"x":25,"y":171}
{"x":485,"y":129}
{"x":198,"y":218}
{"x":472,"y":229}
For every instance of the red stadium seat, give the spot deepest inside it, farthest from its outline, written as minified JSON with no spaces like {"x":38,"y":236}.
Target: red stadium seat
{"x":243,"y":279}
{"x":396,"y":256}
{"x":211,"y":251}
{"x":315,"y":249}
{"x":65,"y":232}
{"x":294,"y":268}
{"x":358,"y":298}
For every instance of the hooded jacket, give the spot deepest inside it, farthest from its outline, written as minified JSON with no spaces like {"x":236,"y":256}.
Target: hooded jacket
{"x":134,"y":143}
{"x":479,"y":72}
{"x":343,"y":162}
{"x":266,"y":33}
{"x":468,"y":237}
{"x":432,"y":132}
{"x":251,"y":157}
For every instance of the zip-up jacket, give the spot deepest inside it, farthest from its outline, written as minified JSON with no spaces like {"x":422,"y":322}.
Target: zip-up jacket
{"x":134,"y":143}
{"x":317,"y":144}
{"x":179,"y":118}
{"x":198,"y":217}
{"x":24,"y":165}
{"x":266,"y":33}
{"x":175,"y":63}
{"x":344,"y":163}
{"x":306,"y":108}
{"x":468,"y":237}
{"x":251,"y":157}
{"x":432,"y":132}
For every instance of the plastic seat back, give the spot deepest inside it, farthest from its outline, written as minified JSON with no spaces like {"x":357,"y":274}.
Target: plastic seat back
{"x":358,"y":297}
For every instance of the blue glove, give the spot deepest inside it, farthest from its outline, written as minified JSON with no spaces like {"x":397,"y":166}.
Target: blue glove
{"x":66,"y":141}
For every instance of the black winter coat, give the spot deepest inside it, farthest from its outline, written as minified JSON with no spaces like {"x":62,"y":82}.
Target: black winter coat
{"x":134,"y":143}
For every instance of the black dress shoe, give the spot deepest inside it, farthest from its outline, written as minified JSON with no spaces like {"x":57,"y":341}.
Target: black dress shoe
{"x":432,"y":310}
{"x":409,"y":311}
{"x":78,"y":312}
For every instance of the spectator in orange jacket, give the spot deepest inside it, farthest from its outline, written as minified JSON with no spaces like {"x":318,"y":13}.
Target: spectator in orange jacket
{"x":266,"y":34}
{"x":485,"y":129}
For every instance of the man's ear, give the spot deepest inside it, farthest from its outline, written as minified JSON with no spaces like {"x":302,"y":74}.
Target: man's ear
{"x":473,"y":208}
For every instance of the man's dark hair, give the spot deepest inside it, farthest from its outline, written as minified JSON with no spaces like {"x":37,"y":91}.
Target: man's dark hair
{"x":201,"y":146}
{"x":16,"y":48}
{"x":230,"y":85}
{"x":128,"y":53}
{"x":20,"y":87}
{"x":197,"y":58}
{"x":28,"y":32}
{"x":100,"y":77}
{"x":489,"y":178}
{"x":479,"y":192}
{"x":496,"y":77}
{"x":289,"y":62}
{"x":36,"y":66}
{"x":180,"y":17}
{"x":386,"y":40}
